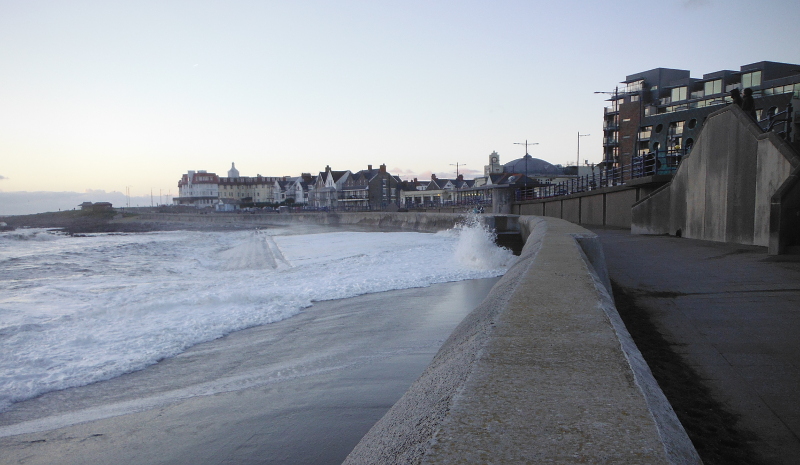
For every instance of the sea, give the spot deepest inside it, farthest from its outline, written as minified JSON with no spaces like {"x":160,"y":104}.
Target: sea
{"x":76,"y":310}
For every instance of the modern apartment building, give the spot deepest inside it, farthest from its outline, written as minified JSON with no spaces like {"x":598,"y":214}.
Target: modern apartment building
{"x":662,"y":111}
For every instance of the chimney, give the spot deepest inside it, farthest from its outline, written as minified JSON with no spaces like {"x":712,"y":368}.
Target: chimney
{"x":369,"y":167}
{"x":327,"y":168}
{"x":433,"y":176}
{"x":460,"y":177}
{"x":383,"y":168}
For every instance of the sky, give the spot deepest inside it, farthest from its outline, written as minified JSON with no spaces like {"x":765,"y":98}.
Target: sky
{"x":99,"y":96}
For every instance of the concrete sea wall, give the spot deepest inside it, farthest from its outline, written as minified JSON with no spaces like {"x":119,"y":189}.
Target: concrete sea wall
{"x":423,"y":222}
{"x":607,"y":206}
{"x":725,"y":190}
{"x":542,"y":371}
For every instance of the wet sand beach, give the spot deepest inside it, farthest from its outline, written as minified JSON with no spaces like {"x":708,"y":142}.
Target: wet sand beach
{"x":303,"y":390}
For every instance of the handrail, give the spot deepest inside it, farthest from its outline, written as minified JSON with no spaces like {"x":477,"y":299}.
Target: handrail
{"x":651,"y":164}
{"x":772,"y":121}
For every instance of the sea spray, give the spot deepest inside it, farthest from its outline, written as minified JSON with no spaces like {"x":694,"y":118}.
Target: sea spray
{"x":476,"y":247}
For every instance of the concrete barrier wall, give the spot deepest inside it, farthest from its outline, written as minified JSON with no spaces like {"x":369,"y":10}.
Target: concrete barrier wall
{"x":542,"y":371}
{"x":424,"y":222}
{"x":593,"y":210}
{"x":618,"y":208}
{"x":722,"y":191}
{"x":536,"y":209}
{"x":571,"y":210}
{"x":608,"y":206}
{"x":552,"y":209}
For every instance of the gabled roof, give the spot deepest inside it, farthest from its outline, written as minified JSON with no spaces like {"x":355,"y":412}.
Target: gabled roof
{"x":367,"y":175}
{"x":442,"y":183}
{"x":337,"y":175}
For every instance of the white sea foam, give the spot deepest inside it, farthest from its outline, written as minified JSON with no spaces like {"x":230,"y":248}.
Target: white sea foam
{"x":476,"y":246}
{"x":75,"y":310}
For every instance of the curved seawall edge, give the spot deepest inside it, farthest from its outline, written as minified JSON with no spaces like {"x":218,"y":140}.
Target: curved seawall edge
{"x":543,"y":370}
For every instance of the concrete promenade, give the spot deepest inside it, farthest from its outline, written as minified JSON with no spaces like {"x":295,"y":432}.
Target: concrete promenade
{"x":733,"y":313}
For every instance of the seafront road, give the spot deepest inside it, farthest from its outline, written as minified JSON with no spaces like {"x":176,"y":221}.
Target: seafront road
{"x":733,"y":313}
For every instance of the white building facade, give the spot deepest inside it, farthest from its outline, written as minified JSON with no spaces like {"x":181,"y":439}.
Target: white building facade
{"x":198,"y":188}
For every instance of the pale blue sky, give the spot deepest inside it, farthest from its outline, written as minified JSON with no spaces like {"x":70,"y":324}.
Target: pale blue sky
{"x":107,"y":94}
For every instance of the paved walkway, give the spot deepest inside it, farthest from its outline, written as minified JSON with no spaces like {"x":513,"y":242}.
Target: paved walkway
{"x":733,"y":312}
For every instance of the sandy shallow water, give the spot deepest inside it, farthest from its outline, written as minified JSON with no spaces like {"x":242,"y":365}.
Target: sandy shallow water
{"x":299,"y":391}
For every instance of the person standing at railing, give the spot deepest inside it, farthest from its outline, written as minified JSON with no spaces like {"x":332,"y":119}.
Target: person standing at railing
{"x":748,"y":104}
{"x":736,"y":97}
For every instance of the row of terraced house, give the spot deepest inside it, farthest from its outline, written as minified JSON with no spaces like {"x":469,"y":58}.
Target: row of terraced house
{"x":369,"y":189}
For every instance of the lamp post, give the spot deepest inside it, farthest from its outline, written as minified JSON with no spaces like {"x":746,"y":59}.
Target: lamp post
{"x":526,"y":144}
{"x":457,"y":164}
{"x":578,"y":163}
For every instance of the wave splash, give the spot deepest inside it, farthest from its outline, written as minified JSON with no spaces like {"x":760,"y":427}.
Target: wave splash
{"x":476,"y":247}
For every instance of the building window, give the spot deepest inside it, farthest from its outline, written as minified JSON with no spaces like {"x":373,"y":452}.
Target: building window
{"x":713,"y":87}
{"x":634,"y":98}
{"x":678,"y":94}
{"x":751,"y":79}
{"x":676,"y":128}
{"x":635,"y":86}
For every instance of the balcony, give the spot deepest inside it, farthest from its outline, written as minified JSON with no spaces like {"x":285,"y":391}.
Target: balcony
{"x":610,"y":142}
{"x":644,"y":135}
{"x":610,"y":126}
{"x":611,"y":110}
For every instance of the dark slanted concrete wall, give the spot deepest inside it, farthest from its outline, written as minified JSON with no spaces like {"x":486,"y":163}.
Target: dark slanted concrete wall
{"x":721,"y":191}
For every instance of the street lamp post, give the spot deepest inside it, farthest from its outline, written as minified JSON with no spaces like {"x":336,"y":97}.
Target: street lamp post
{"x":526,"y":144}
{"x":457,"y":164}
{"x":578,"y":163}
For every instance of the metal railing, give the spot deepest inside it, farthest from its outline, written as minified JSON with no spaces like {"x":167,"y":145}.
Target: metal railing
{"x":773,"y":121}
{"x":651,"y":164}
{"x":468,"y":202}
